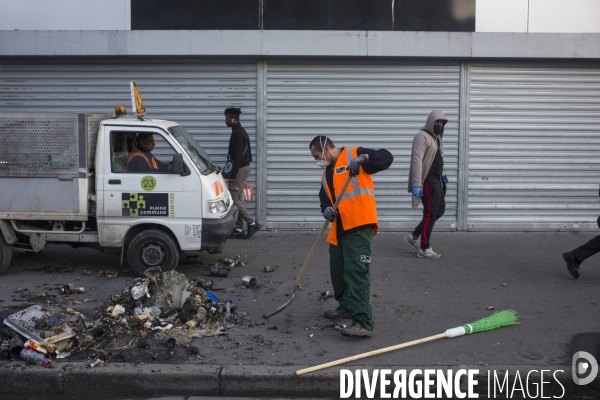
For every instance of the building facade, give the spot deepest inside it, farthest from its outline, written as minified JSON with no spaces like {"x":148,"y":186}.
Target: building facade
{"x":522,"y":95}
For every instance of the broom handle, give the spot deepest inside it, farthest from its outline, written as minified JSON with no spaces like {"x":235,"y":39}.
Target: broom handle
{"x":369,"y":354}
{"x":323,"y":229}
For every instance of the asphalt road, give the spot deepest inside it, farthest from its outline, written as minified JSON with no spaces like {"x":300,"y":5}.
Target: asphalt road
{"x":411,"y":298}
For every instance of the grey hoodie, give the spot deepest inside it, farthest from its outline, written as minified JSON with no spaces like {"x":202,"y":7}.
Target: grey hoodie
{"x":423,"y":152}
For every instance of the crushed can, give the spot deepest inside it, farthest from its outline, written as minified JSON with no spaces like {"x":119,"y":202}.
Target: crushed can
{"x":218,"y":271}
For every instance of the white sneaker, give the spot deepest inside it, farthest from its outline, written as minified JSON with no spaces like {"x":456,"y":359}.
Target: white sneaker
{"x":429,"y":253}
{"x":414,"y":243}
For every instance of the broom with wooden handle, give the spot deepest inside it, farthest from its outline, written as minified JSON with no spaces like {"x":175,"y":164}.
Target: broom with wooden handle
{"x":496,"y":320}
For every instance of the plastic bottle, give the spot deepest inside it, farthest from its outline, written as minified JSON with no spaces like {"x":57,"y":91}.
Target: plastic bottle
{"x":33,"y":357}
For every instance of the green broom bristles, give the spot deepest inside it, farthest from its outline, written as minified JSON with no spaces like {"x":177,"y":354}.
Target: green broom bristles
{"x":496,"y":320}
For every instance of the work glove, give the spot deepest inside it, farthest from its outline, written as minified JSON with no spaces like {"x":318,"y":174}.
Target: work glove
{"x":355,"y":164}
{"x":330,"y":213}
{"x":417,"y":191}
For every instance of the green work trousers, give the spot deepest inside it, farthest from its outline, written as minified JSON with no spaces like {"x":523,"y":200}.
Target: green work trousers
{"x":349,"y":264}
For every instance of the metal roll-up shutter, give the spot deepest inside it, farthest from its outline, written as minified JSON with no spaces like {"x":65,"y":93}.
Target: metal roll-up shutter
{"x":193,"y":93}
{"x":533,"y":146}
{"x":368,"y":104}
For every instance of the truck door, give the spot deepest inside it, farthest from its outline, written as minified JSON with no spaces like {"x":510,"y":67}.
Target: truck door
{"x":139,"y":187}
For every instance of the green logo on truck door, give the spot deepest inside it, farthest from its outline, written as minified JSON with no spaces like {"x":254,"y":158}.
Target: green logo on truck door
{"x":148,"y":204}
{"x":148,"y":183}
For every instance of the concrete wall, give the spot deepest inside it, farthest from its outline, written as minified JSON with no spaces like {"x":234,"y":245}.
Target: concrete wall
{"x":65,"y":15}
{"x":538,"y":16}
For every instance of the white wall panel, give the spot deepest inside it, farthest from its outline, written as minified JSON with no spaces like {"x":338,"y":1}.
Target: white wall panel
{"x":63,"y":15}
{"x":564,"y":16}
{"x":501,"y":15}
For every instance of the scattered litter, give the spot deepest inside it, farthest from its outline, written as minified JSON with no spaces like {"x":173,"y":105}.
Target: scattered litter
{"x":311,"y":335}
{"x":86,"y":272}
{"x":97,"y":363}
{"x":195,"y":350}
{"x":108,"y":273}
{"x":117,"y":310}
{"x":140,"y":290}
{"x":205,"y":284}
{"x":219,"y":272}
{"x":71,"y":288}
{"x":259,"y":323}
{"x":169,"y":341}
{"x":61,"y":355}
{"x":249,"y":281}
{"x":491,"y":308}
{"x":325,"y":295}
{"x":33,"y":357}
{"x":504,"y":284}
{"x":272,"y":328}
{"x":269,"y":268}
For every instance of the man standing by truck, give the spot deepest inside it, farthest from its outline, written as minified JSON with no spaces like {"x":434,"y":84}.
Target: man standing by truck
{"x":241,"y":154}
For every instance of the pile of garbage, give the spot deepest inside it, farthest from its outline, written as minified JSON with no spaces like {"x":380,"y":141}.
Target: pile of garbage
{"x":165,"y":306}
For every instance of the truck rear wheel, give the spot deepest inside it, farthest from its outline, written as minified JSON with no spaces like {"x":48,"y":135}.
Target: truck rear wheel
{"x":152,"y":248}
{"x":5,"y":254}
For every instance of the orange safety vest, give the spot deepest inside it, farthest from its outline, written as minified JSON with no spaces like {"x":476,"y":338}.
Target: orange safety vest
{"x":357,"y":207}
{"x":138,"y":153}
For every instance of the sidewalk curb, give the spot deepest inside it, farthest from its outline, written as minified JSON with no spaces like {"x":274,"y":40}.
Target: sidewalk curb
{"x":116,"y":379}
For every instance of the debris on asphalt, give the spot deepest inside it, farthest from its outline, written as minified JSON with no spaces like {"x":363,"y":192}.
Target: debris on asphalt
{"x":108,"y":273}
{"x":259,"y":323}
{"x":249,"y":281}
{"x":166,"y":307}
{"x":219,"y":272}
{"x":71,"y":289}
{"x":269,"y":268}
{"x":325,"y":295}
{"x":491,"y":308}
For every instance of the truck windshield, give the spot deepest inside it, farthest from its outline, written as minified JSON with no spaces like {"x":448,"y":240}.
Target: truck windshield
{"x":194,"y":150}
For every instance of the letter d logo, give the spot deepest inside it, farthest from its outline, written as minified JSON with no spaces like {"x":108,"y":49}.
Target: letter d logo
{"x":580,"y":367}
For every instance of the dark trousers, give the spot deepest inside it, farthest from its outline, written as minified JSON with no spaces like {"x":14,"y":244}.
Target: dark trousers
{"x":434,"y":206}
{"x":349,"y":265}
{"x":587,"y":250}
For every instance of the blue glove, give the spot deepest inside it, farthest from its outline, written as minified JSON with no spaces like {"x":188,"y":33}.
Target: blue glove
{"x":330,"y":213}
{"x":417,"y":191}
{"x":355,"y":164}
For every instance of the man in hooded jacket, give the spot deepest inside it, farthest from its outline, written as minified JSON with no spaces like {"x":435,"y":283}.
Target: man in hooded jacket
{"x":427,"y":182}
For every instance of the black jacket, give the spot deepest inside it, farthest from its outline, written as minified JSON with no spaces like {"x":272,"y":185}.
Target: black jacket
{"x":237,"y":142}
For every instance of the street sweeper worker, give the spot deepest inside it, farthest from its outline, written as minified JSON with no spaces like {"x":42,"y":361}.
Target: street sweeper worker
{"x":354,"y":224}
{"x":427,"y":182}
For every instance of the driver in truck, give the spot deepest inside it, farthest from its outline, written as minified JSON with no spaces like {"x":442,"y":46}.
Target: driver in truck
{"x":141,"y":157}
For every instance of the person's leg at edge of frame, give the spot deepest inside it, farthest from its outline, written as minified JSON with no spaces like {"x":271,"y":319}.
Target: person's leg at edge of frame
{"x":576,"y":257}
{"x":357,"y":261}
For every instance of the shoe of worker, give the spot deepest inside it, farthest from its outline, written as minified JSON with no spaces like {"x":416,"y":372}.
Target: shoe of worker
{"x":237,"y":234}
{"x":356,"y":329}
{"x":428,"y":253}
{"x":572,"y":264}
{"x":338,"y":313}
{"x":252,"y":229}
{"x":413,"y":243}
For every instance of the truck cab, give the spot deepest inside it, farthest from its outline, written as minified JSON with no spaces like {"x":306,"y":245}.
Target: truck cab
{"x":152,"y":214}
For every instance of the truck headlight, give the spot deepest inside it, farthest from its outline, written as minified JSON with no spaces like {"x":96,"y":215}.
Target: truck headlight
{"x":217,"y":207}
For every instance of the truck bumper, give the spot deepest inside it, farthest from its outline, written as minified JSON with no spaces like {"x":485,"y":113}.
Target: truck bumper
{"x":216,"y":231}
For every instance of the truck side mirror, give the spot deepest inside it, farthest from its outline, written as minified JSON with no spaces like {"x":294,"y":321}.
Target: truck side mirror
{"x":178,"y":165}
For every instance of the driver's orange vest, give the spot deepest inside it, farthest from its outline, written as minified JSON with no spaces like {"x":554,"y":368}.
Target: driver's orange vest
{"x":357,"y":207}
{"x":138,"y":153}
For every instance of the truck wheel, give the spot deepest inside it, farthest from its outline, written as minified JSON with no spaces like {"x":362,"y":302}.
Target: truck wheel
{"x":5,"y":254}
{"x":152,"y":248}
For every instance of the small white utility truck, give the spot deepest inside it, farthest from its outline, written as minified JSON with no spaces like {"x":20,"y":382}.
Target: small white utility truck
{"x":64,"y":179}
